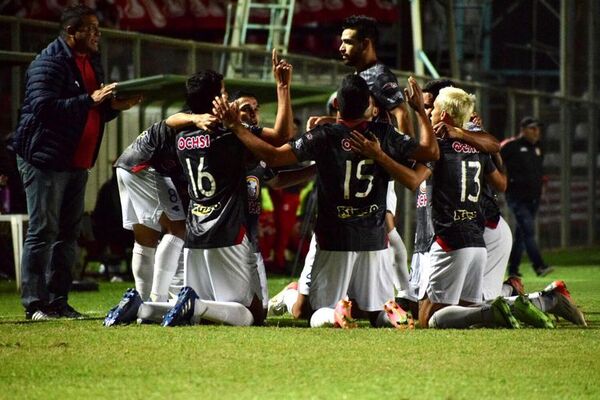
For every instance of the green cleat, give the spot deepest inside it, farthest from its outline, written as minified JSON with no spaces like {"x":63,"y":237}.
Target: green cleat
{"x":502,"y":315}
{"x":526,"y":312}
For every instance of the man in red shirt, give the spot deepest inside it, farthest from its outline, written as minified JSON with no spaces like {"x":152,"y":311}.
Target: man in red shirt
{"x":57,"y":140}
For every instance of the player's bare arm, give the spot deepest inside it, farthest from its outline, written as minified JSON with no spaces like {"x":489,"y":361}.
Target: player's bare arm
{"x":292,"y":177}
{"x":273,"y":156}
{"x":402,"y":118}
{"x":284,"y":121}
{"x":480,"y":140}
{"x":183,"y":120}
{"x":371,"y":148}
{"x":497,"y":180}
{"x":428,"y":149}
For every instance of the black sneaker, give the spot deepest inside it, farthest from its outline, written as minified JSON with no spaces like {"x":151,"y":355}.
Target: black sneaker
{"x":66,"y":311}
{"x":544,"y":270}
{"x":39,"y":315}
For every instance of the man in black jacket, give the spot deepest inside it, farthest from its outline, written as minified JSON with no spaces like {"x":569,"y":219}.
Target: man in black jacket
{"x":524,"y":166}
{"x":57,"y":140}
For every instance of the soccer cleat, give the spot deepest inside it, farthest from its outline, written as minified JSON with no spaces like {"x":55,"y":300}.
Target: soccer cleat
{"x":560,"y":287}
{"x":39,"y":315}
{"x":399,"y":318}
{"x":565,"y":308}
{"x":526,"y":312}
{"x":517,"y":285}
{"x":342,"y":315}
{"x":183,"y":311}
{"x":502,"y":315}
{"x":276,"y":304}
{"x":126,"y":311}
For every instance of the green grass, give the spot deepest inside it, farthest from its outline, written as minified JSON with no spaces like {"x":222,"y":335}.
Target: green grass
{"x":81,"y":359}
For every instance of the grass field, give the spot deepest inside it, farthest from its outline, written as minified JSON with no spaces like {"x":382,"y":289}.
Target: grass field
{"x":81,"y":359}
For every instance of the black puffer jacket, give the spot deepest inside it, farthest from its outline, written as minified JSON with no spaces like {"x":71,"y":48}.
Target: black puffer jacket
{"x":55,"y":109}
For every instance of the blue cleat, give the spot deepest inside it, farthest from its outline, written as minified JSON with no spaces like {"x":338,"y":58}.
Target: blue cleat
{"x":183,"y":311}
{"x":126,"y":311}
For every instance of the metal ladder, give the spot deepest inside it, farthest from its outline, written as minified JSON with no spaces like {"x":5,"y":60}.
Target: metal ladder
{"x":251,"y":16}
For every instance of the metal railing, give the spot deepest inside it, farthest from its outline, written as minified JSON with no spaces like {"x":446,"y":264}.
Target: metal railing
{"x":568,"y":215}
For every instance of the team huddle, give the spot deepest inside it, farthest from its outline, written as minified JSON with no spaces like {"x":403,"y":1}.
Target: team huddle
{"x":213,"y":158}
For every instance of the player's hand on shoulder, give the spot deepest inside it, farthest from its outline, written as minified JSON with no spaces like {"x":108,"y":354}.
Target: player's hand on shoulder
{"x":206,"y":122}
{"x":315,"y":121}
{"x":444,"y":130}
{"x":360,"y":144}
{"x":414,"y":95}
{"x":226,"y":112}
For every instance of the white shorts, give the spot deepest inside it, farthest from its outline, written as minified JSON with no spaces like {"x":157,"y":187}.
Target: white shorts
{"x":145,"y":196}
{"x":498,"y":243}
{"x":262,"y":279}
{"x":419,"y":263}
{"x":361,"y":275}
{"x":391,"y":200}
{"x":454,"y":275}
{"x":224,"y":273}
{"x":305,"y":275}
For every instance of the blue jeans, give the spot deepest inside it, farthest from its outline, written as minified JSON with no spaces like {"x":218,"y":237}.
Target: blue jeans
{"x":524,"y":238}
{"x":55,"y":203}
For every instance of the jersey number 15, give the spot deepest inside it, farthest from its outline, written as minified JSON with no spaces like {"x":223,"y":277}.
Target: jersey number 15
{"x":360,"y":175}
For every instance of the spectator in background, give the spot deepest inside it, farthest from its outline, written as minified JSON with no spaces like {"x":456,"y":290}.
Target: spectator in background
{"x":523,"y":159}
{"x":57,"y":140}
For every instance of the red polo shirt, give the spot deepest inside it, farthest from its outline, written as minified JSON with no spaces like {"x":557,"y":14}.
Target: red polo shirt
{"x":84,"y":155}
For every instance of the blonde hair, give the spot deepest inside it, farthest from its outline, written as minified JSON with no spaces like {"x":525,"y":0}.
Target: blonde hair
{"x":457,"y":103}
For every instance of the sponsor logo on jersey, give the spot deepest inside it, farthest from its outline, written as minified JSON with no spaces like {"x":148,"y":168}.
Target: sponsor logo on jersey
{"x":308,"y":136}
{"x":422,"y":200}
{"x":193,"y":142}
{"x":201,"y":211}
{"x":252,"y":183}
{"x":345,"y":212}
{"x":464,"y":215}
{"x":461,"y":147}
{"x":346,"y":145}
{"x":390,"y":86}
{"x":298,"y":143}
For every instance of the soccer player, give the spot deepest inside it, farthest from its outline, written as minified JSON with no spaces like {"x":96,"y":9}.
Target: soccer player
{"x":352,"y":256}
{"x":151,"y":204}
{"x":458,"y":255}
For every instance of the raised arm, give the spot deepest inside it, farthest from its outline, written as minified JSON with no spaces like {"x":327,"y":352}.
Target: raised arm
{"x":428,"y":149}
{"x":273,"y":156}
{"x":370,"y":148}
{"x":480,"y":140}
{"x":284,"y":121}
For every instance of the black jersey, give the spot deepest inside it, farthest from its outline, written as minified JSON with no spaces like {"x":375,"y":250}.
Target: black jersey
{"x":457,"y":184}
{"x":255,"y":179}
{"x":385,"y":89}
{"x":351,"y":189}
{"x":155,"y":148}
{"x":489,"y":206}
{"x":215,"y":167}
{"x":424,"y":233}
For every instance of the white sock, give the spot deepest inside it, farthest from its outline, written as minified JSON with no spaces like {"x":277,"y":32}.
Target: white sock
{"x":399,"y":261}
{"x":322,"y":317}
{"x":154,"y":311}
{"x":506,"y":290}
{"x":142,"y":266}
{"x":165,"y":265}
{"x":289,"y":298}
{"x":262,"y":277}
{"x":223,"y":312}
{"x":459,"y":317}
{"x":177,"y":281}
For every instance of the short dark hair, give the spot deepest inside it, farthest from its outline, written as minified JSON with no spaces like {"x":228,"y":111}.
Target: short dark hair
{"x":366,"y":27}
{"x":201,"y":89}
{"x":436,"y":85}
{"x":353,"y":97}
{"x":238,"y":94}
{"x":73,"y":16}
{"x":530,"y":122}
